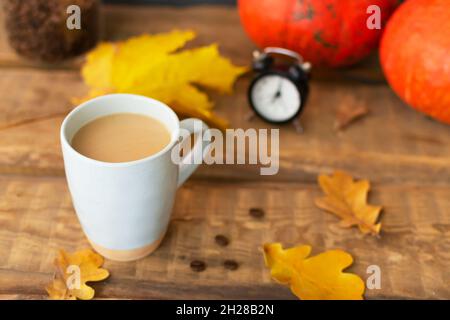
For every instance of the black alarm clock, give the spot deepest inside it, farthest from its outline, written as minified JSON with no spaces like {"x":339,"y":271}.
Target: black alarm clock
{"x":279,"y":91}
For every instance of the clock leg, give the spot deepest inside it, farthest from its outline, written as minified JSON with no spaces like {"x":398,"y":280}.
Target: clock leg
{"x":298,"y":126}
{"x":250,"y":116}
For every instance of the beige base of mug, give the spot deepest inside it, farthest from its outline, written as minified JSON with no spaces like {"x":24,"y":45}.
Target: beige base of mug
{"x":126,"y":255}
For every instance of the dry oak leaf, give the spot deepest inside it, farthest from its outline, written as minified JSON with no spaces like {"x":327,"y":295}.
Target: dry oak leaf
{"x":84,"y":263}
{"x":346,"y":114}
{"x":320,"y":277}
{"x":348,"y":200}
{"x":154,"y":66}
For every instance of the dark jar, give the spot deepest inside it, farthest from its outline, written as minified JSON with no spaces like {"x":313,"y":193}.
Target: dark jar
{"x":38,"y":29}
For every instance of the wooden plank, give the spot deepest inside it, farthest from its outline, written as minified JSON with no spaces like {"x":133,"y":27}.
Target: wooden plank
{"x":392,"y":144}
{"x":34,"y":104}
{"x":413,"y":252}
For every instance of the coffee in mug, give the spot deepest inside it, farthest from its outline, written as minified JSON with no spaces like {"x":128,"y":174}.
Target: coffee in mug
{"x":121,"y":137}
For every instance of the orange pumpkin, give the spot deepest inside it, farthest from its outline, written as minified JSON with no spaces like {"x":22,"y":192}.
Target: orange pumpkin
{"x":415,"y":56}
{"x":325,"y":32}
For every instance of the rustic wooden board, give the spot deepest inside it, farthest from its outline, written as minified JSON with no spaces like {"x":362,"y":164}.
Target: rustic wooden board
{"x":393,"y":143}
{"x":413,"y":252}
{"x":405,"y":154}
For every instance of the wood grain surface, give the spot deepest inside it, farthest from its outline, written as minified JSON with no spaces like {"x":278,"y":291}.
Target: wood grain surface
{"x":404,"y":154}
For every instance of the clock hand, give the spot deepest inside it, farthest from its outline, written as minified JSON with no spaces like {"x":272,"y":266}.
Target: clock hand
{"x":278,"y":92}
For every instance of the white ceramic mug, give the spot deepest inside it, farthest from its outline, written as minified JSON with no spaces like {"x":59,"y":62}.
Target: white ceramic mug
{"x":124,"y":208}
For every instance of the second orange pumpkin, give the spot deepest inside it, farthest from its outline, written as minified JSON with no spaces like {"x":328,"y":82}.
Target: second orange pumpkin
{"x":415,"y":55}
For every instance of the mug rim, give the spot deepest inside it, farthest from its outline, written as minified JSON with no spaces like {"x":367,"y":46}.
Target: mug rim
{"x":174,"y":134}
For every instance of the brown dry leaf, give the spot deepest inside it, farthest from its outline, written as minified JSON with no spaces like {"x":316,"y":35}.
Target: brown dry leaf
{"x":155,"y":66}
{"x":347,"y":113}
{"x":66,"y":285}
{"x":320,"y":277}
{"x":348,"y":200}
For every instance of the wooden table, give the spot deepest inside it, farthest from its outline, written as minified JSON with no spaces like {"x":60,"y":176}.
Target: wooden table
{"x":403,"y":153}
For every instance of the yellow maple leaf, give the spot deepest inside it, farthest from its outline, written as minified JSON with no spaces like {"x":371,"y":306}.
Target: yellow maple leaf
{"x":154,"y":66}
{"x":348,"y":200}
{"x":84,"y":264}
{"x":314,"y":278}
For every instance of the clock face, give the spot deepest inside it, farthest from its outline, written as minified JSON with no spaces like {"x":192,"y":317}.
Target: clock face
{"x":275,"y":98}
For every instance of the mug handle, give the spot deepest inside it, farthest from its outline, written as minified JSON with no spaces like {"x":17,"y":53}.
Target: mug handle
{"x":200,"y":149}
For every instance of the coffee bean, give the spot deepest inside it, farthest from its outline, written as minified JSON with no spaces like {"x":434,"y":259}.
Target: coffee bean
{"x":198,"y":266}
{"x":256,"y":213}
{"x":221,"y":240}
{"x":230,"y":265}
